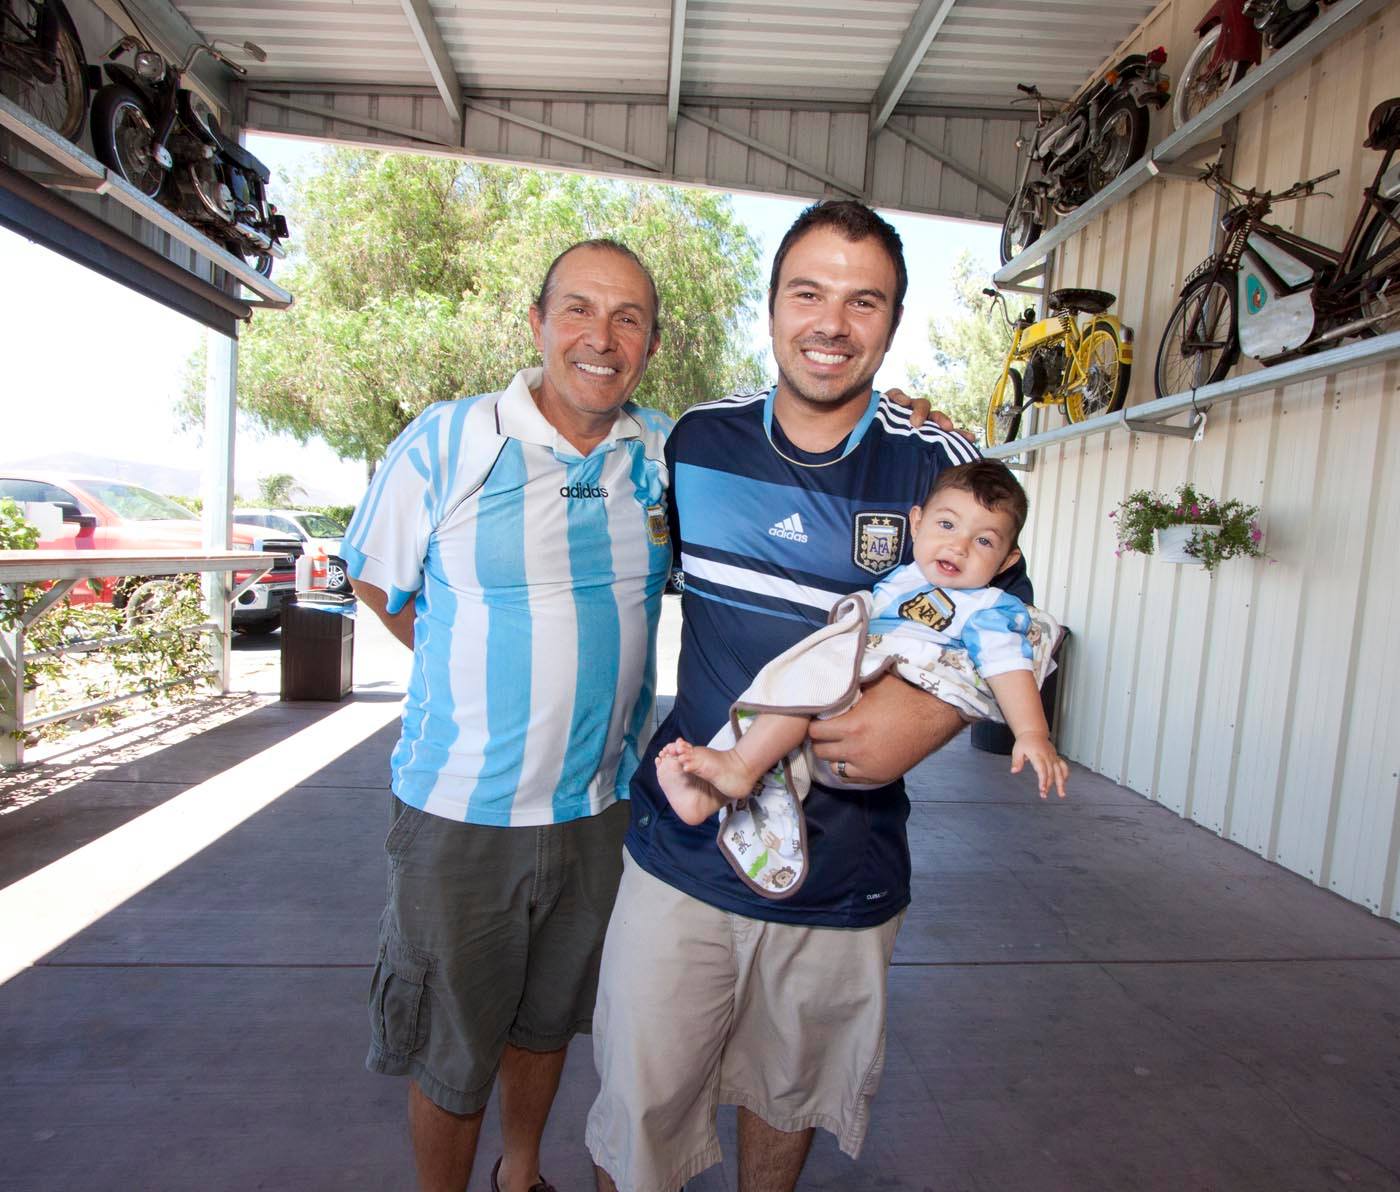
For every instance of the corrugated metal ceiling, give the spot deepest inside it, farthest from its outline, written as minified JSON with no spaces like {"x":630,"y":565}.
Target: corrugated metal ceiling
{"x":789,"y":49}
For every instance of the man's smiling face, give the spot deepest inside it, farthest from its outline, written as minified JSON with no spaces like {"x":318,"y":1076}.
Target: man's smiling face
{"x":596,"y":332}
{"x":833,"y":316}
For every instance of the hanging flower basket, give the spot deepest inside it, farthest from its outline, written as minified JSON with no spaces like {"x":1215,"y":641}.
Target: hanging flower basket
{"x":1181,"y":544}
{"x":1187,"y":527}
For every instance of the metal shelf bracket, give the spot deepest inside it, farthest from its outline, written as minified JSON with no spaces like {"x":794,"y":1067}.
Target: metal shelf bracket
{"x":1196,"y":431}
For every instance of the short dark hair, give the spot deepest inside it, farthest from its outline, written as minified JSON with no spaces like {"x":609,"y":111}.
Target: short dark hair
{"x":994,"y":487}
{"x":855,"y":221}
{"x":607,"y":245}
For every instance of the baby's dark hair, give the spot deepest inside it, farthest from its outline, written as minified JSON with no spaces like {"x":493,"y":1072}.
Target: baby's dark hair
{"x":992,"y":484}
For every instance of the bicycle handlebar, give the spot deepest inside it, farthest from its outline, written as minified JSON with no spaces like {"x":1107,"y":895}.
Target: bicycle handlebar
{"x":1031,"y":90}
{"x":1215,"y":178}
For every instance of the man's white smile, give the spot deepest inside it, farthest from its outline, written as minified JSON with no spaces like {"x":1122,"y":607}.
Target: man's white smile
{"x":824,"y":357}
{"x":595,"y":370}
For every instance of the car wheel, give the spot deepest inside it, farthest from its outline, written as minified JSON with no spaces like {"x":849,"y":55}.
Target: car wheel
{"x":336,"y":578}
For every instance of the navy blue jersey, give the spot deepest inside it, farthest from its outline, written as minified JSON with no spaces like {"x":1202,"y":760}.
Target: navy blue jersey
{"x":768,"y":538}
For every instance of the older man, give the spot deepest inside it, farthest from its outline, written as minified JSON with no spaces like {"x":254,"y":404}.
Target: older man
{"x":517,"y":542}
{"x":783,"y":501}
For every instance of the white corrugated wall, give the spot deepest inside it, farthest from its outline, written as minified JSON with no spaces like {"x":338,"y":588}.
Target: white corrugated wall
{"x":1263,"y":703}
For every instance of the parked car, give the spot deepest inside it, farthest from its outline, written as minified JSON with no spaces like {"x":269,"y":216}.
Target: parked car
{"x":112,"y":515}
{"x":316,"y":532}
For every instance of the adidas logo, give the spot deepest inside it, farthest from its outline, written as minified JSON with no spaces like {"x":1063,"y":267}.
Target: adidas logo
{"x":582,"y":490}
{"x":789,"y":528}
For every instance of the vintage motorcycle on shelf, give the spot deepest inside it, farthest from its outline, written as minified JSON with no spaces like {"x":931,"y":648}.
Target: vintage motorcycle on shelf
{"x":165,"y":140}
{"x":1232,"y":35}
{"x":1083,"y":368}
{"x":42,"y":65}
{"x":1082,"y":145}
{"x":1272,"y":294}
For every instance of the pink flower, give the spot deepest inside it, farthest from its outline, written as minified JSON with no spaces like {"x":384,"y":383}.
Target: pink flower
{"x":1195,"y":511}
{"x":1114,"y":513}
{"x":1256,"y":534}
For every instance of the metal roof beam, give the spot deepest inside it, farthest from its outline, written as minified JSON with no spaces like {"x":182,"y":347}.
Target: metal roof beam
{"x":564,"y":135}
{"x":439,"y":62}
{"x":778,"y":155}
{"x":673,"y":67}
{"x":928,"y":20}
{"x":997,"y":192}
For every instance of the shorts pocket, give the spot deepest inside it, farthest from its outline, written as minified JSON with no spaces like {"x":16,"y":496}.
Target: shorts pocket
{"x":398,"y":1011}
{"x":405,"y":827}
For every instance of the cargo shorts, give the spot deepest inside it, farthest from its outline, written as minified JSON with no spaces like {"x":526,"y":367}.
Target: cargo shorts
{"x":490,"y":936}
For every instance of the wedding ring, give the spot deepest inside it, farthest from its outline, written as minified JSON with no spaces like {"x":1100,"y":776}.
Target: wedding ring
{"x":840,"y":768}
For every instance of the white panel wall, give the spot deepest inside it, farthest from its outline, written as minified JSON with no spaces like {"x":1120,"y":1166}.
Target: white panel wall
{"x":1263,"y":703}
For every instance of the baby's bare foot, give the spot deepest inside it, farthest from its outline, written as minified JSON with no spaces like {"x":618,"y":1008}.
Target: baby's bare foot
{"x":692,"y":798}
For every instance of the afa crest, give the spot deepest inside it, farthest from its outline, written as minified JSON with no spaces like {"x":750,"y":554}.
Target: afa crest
{"x":657,"y":529}
{"x":878,"y":540}
{"x":931,"y":608}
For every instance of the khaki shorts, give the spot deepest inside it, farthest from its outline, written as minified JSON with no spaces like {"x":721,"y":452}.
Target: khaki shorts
{"x":490,"y":936}
{"x":698,"y":1007}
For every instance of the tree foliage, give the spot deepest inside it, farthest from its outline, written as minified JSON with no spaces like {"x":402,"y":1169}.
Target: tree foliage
{"x":969,"y":349}
{"x":417,"y":274}
{"x":277,"y":490}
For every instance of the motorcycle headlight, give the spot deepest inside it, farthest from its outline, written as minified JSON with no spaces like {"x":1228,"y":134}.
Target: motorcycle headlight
{"x":150,"y":66}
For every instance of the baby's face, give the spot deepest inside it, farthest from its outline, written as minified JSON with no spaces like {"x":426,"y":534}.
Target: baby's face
{"x":959,"y":542}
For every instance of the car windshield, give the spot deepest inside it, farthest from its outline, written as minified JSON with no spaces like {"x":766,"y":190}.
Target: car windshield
{"x":137,"y":504}
{"x":319,"y":526}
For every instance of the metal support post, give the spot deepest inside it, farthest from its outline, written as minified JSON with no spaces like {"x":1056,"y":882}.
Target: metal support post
{"x":12,"y":683}
{"x":220,"y":413}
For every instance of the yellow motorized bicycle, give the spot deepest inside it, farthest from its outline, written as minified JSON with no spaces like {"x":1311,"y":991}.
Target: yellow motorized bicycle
{"x":1057,"y":361}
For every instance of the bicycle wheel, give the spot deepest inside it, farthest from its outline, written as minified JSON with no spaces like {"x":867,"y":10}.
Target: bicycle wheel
{"x":1105,"y":376}
{"x":48,"y":83}
{"x":1003,"y":419}
{"x":1379,"y":250}
{"x":1201,"y":86}
{"x":1019,"y":229}
{"x":123,"y":139}
{"x":1201,"y":341}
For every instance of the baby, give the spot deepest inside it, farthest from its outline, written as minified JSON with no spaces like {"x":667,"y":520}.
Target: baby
{"x":965,"y":533}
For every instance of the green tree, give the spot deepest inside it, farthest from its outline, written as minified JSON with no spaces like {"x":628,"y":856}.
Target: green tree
{"x":277,"y":489}
{"x":417,"y":274}
{"x":969,"y":349}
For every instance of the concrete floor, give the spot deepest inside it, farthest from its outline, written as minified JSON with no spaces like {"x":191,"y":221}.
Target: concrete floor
{"x":1089,"y":995}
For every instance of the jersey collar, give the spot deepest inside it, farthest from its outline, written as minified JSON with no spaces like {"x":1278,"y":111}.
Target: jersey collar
{"x":852,"y":440}
{"x":517,"y":417}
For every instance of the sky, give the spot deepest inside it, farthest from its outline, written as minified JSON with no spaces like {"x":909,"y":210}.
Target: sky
{"x":92,"y":367}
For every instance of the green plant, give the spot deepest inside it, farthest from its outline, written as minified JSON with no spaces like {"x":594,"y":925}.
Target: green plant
{"x":16,"y":533}
{"x":1142,"y":513}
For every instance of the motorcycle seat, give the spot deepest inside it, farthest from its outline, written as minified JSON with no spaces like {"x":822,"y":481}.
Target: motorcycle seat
{"x":241,"y":157}
{"x":1384,"y":127}
{"x":1090,"y":302}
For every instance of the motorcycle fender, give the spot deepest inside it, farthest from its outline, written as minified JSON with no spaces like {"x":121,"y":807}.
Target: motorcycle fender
{"x":1270,"y":323}
{"x":1389,"y":185}
{"x":119,"y":72}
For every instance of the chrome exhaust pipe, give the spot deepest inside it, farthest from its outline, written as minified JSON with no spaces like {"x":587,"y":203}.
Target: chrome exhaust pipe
{"x":1354,"y":326}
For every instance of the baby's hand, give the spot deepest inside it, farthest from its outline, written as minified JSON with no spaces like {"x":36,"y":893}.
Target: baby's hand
{"x":1049,"y":766}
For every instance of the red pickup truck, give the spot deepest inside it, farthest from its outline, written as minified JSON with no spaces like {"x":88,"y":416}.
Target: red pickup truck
{"x":112,"y":515}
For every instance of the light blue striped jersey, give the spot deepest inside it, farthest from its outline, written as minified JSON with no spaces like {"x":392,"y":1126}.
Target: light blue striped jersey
{"x":536,"y":578}
{"x":990,"y":623}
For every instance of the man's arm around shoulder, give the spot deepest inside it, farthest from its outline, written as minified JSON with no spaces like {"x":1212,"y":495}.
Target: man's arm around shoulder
{"x":400,"y":623}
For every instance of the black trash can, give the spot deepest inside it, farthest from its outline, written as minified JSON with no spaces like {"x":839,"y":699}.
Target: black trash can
{"x":991,"y":736}
{"x":318,"y":647}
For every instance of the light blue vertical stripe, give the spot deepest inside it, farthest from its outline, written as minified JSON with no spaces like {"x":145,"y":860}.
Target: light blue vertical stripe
{"x":500,"y":571}
{"x":430,"y":730}
{"x":595,"y":609}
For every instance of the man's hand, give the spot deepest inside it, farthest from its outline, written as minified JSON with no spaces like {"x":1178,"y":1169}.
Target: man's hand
{"x":400,"y":624}
{"x":892,"y":728}
{"x":921,"y":411}
{"x":1049,"y":766}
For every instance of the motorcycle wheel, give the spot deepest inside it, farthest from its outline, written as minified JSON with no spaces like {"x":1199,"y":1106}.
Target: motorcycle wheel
{"x":1019,"y":229}
{"x":1201,"y":341}
{"x":123,"y":139}
{"x":60,"y":102}
{"x":1122,"y":140}
{"x":1105,"y":376}
{"x":1003,"y":420}
{"x":1381,"y":237}
{"x":1200,"y":87}
{"x":260,"y":261}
